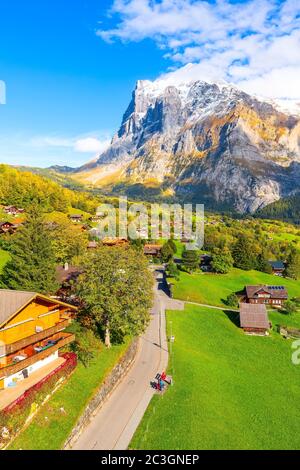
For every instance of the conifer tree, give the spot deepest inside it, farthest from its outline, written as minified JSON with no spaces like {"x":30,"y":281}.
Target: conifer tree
{"x":190,"y":260}
{"x":242,"y":253}
{"x":32,"y":266}
{"x":293,"y":265}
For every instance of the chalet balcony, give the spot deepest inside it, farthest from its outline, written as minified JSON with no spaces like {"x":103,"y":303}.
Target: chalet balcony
{"x":36,"y":352}
{"x":8,"y":349}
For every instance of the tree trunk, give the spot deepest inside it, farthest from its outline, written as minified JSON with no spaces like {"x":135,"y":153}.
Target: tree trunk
{"x":107,"y":337}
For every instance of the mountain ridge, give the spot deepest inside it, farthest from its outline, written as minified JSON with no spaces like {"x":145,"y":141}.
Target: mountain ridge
{"x":203,"y":142}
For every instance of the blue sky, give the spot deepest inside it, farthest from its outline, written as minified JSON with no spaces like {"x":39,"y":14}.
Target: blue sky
{"x":70,"y":67}
{"x":63,"y":83}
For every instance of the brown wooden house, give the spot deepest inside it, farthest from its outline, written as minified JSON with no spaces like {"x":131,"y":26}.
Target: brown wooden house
{"x":6,"y":227}
{"x":76,"y":218}
{"x":152,"y":250}
{"x":115,"y":241}
{"x":13,"y":210}
{"x":270,"y":295}
{"x":254,"y":319}
{"x":31,"y":333}
{"x":278,"y":267}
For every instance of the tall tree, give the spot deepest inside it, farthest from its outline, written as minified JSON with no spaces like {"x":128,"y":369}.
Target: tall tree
{"x":116,"y":292}
{"x":167,"y":252}
{"x":242,"y":253}
{"x":32,"y":266}
{"x":190,"y":260}
{"x":293,"y":265}
{"x":263,"y":264}
{"x":222,"y":260}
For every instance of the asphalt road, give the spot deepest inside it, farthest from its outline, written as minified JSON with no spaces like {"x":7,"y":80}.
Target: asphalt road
{"x":115,"y":423}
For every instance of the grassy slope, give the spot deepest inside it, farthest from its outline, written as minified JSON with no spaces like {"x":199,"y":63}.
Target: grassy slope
{"x":73,"y":396}
{"x":231,"y":391}
{"x":4,"y":258}
{"x":212,"y":289}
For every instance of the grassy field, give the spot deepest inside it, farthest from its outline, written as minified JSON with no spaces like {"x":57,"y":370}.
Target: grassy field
{"x":50,"y":428}
{"x":231,"y":391}
{"x":213,"y":289}
{"x":4,"y":258}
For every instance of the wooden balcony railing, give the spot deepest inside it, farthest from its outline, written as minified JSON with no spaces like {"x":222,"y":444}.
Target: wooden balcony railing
{"x":7,"y":349}
{"x":14,"y":368}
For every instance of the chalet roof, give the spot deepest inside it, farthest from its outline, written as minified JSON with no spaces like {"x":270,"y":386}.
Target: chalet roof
{"x":277,"y":264}
{"x":6,"y":223}
{"x":275,"y":292}
{"x":114,"y":241}
{"x":12,"y":301}
{"x":254,"y":316}
{"x":93,"y":244}
{"x":69,"y":274}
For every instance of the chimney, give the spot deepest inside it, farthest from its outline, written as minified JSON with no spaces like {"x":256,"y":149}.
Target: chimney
{"x":66,"y":267}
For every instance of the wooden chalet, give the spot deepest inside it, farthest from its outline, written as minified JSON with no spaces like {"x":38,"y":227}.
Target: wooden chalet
{"x":95,"y":218}
{"x":92,"y":245}
{"x":13,"y":210}
{"x":7,"y":227}
{"x":152,"y":250}
{"x":254,"y":319}
{"x":115,"y":241}
{"x":31,"y":334}
{"x":271,"y":295}
{"x":76,"y":218}
{"x":278,"y":267}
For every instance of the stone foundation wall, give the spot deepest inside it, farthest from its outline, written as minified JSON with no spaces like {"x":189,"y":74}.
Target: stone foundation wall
{"x":118,"y":372}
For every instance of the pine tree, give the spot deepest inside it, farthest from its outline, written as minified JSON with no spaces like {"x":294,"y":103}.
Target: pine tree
{"x":190,"y":260}
{"x":263,"y":264}
{"x":293,"y":265}
{"x":32,"y":266}
{"x":242,"y":253}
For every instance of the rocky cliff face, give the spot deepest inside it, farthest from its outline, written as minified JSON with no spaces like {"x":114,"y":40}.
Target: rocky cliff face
{"x":204,"y":142}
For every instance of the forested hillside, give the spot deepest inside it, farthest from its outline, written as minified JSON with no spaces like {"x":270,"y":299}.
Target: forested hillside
{"x":23,"y":188}
{"x":287,"y":209}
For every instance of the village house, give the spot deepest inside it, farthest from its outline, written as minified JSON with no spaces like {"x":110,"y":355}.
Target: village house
{"x":95,"y":218}
{"x":31,"y":335}
{"x":254,"y":319}
{"x":13,"y":210}
{"x":6,"y":227}
{"x":67,"y":276}
{"x":152,"y":250}
{"x":271,"y":295}
{"x":9,"y":227}
{"x":278,"y":267}
{"x":76,"y":218}
{"x":92,"y":245}
{"x":115,"y":241}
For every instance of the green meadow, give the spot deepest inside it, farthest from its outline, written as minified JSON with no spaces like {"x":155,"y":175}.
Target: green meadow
{"x":231,"y":391}
{"x":213,"y":289}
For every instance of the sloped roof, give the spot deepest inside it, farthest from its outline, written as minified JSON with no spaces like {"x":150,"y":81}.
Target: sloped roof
{"x":277,"y":264}
{"x":69,"y":274}
{"x":254,"y":316}
{"x":12,"y":301}
{"x":275,"y":292}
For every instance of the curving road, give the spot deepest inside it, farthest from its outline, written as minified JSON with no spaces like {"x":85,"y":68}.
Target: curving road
{"x":115,"y":423}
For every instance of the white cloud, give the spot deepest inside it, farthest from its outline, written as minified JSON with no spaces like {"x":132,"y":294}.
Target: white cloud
{"x":91,"y":145}
{"x":253,"y":43}
{"x":83,"y":144}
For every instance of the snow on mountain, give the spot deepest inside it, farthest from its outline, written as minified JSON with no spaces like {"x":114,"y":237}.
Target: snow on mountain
{"x":206,"y":141}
